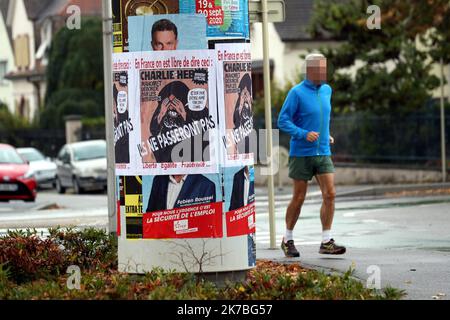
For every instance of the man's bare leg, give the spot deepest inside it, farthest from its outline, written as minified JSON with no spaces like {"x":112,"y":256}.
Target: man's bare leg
{"x":292,"y":214}
{"x":295,"y":206}
{"x":326,"y":183}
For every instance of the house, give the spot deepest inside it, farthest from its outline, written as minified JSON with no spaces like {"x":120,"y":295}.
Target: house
{"x":289,"y":40}
{"x":31,"y":25}
{"x":6,"y":57}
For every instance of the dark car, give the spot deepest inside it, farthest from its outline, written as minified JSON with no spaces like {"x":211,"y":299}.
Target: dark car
{"x":17,"y":180}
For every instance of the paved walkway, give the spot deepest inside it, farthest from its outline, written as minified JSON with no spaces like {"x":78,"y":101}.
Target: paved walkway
{"x":422,"y":274}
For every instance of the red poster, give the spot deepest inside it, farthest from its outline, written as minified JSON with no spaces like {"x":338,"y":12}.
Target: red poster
{"x":213,"y":13}
{"x":241,"y":221}
{"x":197,"y":221}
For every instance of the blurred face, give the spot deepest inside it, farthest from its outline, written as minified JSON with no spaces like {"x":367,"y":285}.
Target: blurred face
{"x":316,"y":71}
{"x":164,"y":40}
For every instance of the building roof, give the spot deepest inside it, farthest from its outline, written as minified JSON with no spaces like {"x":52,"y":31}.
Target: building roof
{"x":36,"y":7}
{"x":298,"y":17}
{"x":4,"y":5}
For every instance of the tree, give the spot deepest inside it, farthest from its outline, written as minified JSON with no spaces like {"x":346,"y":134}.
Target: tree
{"x":395,"y":61}
{"x":74,"y":75}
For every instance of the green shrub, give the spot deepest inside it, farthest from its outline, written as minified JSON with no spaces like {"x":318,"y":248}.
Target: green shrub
{"x":89,"y":248}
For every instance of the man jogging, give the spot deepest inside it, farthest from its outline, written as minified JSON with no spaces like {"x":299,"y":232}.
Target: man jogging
{"x":305,"y":116}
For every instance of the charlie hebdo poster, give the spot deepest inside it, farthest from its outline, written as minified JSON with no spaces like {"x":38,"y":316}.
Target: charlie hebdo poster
{"x":122,"y":121}
{"x":234,"y":91}
{"x":173,"y":111}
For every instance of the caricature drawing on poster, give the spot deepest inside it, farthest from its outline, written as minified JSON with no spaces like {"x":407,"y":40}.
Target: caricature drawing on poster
{"x":182,"y":206}
{"x":122,"y":121}
{"x":167,"y":32}
{"x":122,"y":10}
{"x":178,"y":116}
{"x":234,"y":87}
{"x":239,"y":191}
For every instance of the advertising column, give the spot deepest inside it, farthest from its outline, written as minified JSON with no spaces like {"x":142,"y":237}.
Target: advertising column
{"x":186,"y":186}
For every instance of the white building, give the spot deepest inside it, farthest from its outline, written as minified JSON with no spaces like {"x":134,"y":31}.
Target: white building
{"x":6,"y":58}
{"x":30,"y":26}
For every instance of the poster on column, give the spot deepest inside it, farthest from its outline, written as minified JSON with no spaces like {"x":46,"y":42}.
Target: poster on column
{"x":132,"y":186}
{"x":239,"y":190}
{"x":234,"y":91}
{"x":123,"y":9}
{"x":122,"y":121}
{"x":225,"y":18}
{"x":176,"y":98}
{"x":182,"y":206}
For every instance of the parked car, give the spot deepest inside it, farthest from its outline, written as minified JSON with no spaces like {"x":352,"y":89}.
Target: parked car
{"x":17,"y":181}
{"x":44,"y":169}
{"x":82,"y":166}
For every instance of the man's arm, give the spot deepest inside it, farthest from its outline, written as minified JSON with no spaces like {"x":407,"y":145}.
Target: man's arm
{"x":286,"y":117}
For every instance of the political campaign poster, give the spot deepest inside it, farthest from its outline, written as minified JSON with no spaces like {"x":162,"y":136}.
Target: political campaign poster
{"x":251,"y":249}
{"x":123,"y":9}
{"x":225,"y":18}
{"x":178,"y":114}
{"x":122,"y":121}
{"x":182,"y":206}
{"x":234,"y":87}
{"x":167,"y":32}
{"x":239,"y":192}
{"x":133,"y":206}
{"x":120,"y":196}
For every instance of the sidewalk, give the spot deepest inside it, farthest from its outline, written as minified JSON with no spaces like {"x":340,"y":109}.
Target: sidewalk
{"x":422,"y":274}
{"x":405,"y":236}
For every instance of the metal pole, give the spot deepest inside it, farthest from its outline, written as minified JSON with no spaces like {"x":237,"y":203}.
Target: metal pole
{"x":443,"y":151}
{"x":107,"y":69}
{"x":268,"y":114}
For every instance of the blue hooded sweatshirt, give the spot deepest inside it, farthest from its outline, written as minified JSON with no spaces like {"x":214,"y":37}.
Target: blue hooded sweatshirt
{"x":307,"y":108}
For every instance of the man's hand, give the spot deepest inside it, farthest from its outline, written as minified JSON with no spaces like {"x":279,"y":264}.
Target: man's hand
{"x":331,"y":140}
{"x":312,"y":136}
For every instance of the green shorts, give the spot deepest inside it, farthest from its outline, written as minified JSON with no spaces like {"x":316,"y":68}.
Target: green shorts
{"x":305,"y":168}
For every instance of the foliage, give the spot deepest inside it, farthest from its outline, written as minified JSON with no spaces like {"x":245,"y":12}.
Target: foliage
{"x":74,"y":75}
{"x":30,"y":258}
{"x":94,"y":123}
{"x":89,"y":248}
{"x":75,"y":101}
{"x":393,"y":74}
{"x":9,"y":121}
{"x":41,"y":262}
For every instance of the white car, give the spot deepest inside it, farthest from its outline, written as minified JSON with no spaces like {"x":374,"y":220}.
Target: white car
{"x":82,"y":166}
{"x":43,"y":168}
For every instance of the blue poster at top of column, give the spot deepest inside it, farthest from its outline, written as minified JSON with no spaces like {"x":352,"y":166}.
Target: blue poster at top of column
{"x":225,"y":18}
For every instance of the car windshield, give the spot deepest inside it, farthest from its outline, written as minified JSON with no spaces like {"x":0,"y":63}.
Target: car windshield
{"x":90,"y":151}
{"x":8,"y":155}
{"x":32,"y":155}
